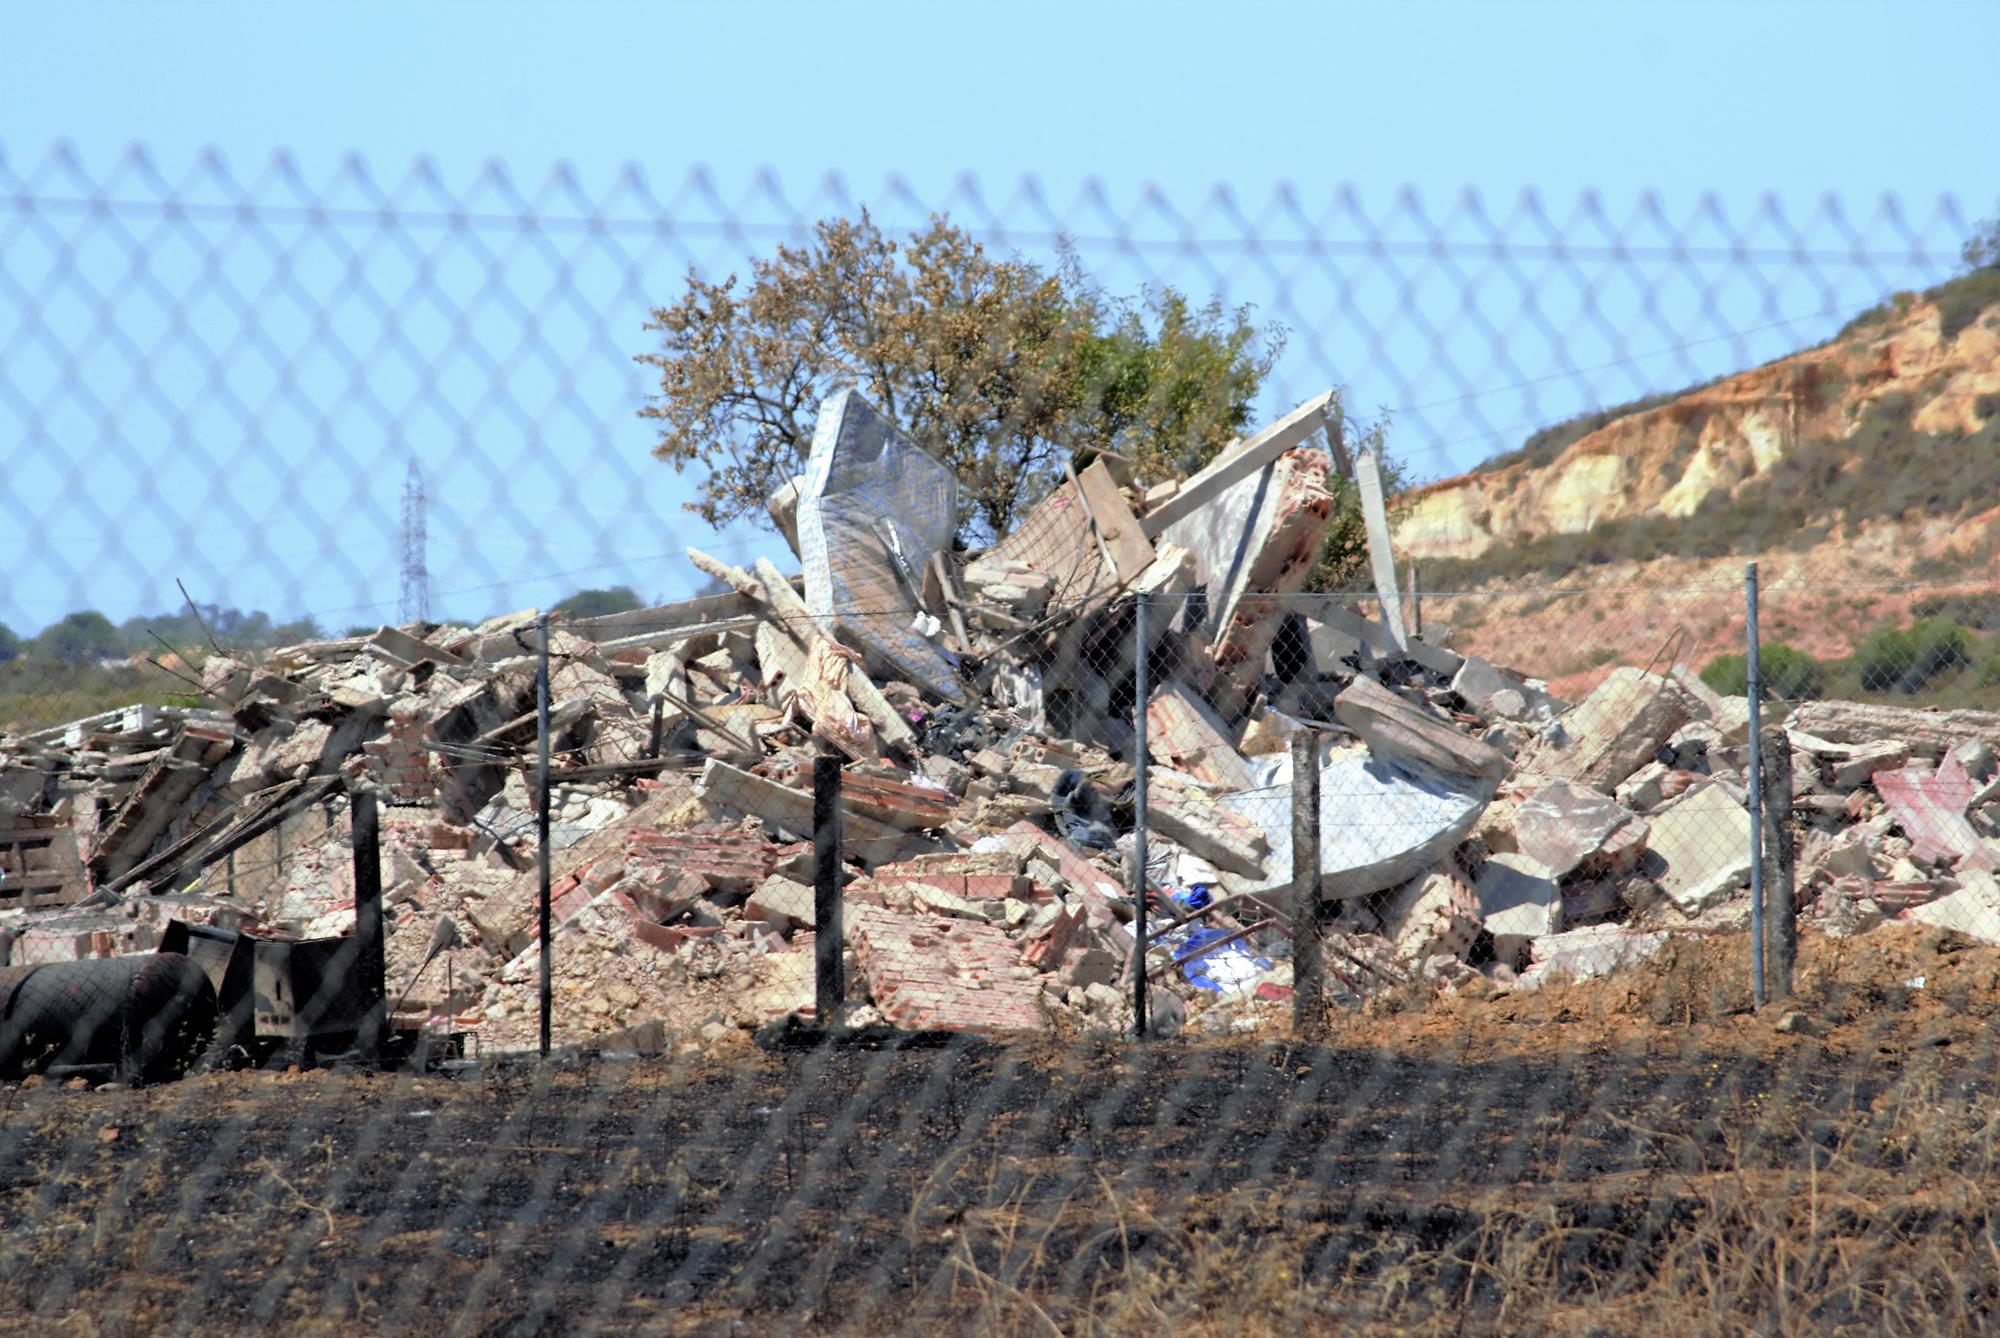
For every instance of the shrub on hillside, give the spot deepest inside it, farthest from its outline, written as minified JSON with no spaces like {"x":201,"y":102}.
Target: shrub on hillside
{"x":1905,"y":659}
{"x":1962,"y":301}
{"x":1785,"y":673}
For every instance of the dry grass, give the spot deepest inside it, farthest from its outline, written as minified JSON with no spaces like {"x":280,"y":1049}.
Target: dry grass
{"x":1634,"y":1155}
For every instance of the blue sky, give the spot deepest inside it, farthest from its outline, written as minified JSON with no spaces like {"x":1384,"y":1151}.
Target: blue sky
{"x":1142,"y":123}
{"x":1682,"y":97}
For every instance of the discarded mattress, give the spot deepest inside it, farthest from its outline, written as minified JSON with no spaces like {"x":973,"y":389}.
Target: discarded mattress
{"x":1381,"y":823}
{"x":873,"y":509}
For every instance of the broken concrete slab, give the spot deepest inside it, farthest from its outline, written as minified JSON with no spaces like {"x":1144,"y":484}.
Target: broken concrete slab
{"x":1381,"y":559}
{"x":1437,"y":912}
{"x":1182,"y":810}
{"x":1854,"y":852}
{"x":1234,"y":464}
{"x":1381,"y":823}
{"x":1588,"y":953}
{"x":1846,"y":766}
{"x":873,"y":509}
{"x":1336,"y":632}
{"x":1703,"y":701}
{"x":1575,"y":830}
{"x":931,"y":899}
{"x":783,"y":904}
{"x":1973,"y":910}
{"x":936,"y":973}
{"x":1698,"y":850}
{"x":403,"y":649}
{"x":1611,"y":733}
{"x":790,"y":811}
{"x":1645,"y":788}
{"x":1493,"y":692}
{"x":1185,"y":733}
{"x":1930,"y":808}
{"x":1731,"y":721}
{"x":1928,"y":733}
{"x":1397,"y":730}
{"x":1519,"y":902}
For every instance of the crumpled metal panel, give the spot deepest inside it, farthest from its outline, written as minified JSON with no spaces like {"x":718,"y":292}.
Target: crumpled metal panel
{"x":873,"y":509}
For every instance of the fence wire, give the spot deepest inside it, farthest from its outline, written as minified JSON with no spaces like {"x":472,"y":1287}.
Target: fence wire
{"x":1550,"y":921}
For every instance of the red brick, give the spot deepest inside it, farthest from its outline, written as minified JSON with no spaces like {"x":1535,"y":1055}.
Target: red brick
{"x":933,"y":973}
{"x":1080,"y":873}
{"x":993,"y":886}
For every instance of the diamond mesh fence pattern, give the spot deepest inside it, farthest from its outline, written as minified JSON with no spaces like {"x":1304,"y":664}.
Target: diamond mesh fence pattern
{"x":1120,"y":927}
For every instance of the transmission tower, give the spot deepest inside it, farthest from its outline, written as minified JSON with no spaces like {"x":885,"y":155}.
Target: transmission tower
{"x":416,"y":569}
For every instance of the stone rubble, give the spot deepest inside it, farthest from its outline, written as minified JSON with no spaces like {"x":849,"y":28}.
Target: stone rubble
{"x":1472,"y":826}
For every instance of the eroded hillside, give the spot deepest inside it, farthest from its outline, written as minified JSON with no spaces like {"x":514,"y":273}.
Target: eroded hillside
{"x":1849,"y":471}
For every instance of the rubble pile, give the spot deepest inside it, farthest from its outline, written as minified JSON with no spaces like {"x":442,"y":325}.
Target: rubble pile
{"x":1476,"y":833}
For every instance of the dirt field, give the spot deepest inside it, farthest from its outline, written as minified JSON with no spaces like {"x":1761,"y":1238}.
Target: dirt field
{"x":1607,"y":1158}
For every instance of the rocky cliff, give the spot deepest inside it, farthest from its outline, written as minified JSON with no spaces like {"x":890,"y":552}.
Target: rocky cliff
{"x":1806,"y":440}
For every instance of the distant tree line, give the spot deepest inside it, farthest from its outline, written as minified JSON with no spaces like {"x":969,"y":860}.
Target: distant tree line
{"x":87,"y":637}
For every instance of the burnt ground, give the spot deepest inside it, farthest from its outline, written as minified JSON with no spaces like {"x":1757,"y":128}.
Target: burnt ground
{"x":1609,"y":1157}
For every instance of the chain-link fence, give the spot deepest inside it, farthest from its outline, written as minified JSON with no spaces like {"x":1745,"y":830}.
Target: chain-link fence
{"x":1546,"y":920}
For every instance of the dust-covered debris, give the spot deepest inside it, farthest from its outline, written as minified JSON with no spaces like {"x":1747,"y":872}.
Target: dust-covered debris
{"x":984,"y":704}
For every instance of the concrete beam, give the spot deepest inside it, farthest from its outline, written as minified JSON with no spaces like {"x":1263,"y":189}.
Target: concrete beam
{"x":1288,"y":433}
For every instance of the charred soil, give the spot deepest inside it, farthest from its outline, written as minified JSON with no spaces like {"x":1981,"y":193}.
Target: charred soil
{"x":1607,"y":1157}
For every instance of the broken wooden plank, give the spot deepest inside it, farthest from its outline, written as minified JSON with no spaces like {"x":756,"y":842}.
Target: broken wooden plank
{"x":783,"y":648}
{"x":675,"y":636}
{"x":39,"y":865}
{"x":948,"y":597}
{"x":1117,"y":528}
{"x":157,"y":798}
{"x":791,"y":811}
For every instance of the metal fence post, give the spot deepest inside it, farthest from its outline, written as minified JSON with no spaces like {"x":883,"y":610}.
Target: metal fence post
{"x":542,"y":825}
{"x":829,"y":972}
{"x":369,"y":961}
{"x":1754,"y":688}
{"x":1781,"y":922}
{"x":1308,"y":970}
{"x":1142,"y":690}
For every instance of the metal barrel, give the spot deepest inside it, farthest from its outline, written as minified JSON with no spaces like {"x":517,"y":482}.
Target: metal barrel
{"x":149,"y":1016}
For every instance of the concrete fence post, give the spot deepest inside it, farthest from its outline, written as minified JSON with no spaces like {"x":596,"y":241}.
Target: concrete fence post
{"x":1781,"y":924}
{"x":1142,"y":690}
{"x":542,"y":829}
{"x":370,"y":961}
{"x":1754,"y":688}
{"x":829,"y":970}
{"x":1308,"y":968}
